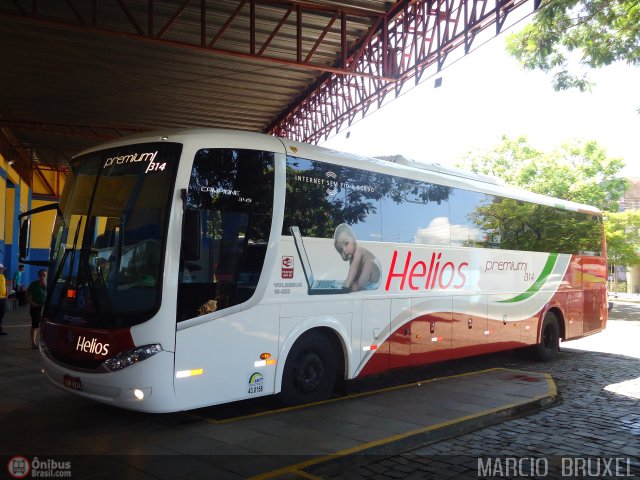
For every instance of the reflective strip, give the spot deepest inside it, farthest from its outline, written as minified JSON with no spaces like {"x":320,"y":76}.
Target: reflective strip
{"x":189,"y":373}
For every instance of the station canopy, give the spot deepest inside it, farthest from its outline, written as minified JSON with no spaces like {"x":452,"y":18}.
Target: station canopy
{"x":78,"y":72}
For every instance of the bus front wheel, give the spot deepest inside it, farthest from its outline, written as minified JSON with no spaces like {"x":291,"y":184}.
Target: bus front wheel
{"x":549,"y":344}
{"x":310,"y":370}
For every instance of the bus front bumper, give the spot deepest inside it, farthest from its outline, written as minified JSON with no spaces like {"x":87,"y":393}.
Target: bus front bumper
{"x":146,"y":386}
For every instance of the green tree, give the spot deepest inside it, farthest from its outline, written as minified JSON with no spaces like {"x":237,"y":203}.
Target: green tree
{"x":623,"y":239}
{"x":580,"y":172}
{"x":593,"y":32}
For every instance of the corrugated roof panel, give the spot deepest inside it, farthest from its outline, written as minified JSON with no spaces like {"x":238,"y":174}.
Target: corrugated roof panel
{"x":68,"y":73}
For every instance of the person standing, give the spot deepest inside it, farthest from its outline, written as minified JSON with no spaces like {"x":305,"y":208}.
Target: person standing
{"x":36,"y":294}
{"x":18,"y":286}
{"x":3,"y":297}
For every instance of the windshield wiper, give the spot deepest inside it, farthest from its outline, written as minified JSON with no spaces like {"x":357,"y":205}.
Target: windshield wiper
{"x":92,"y":286}
{"x":54,"y":282}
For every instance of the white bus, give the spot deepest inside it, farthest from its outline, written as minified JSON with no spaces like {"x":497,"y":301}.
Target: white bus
{"x":196,"y":267}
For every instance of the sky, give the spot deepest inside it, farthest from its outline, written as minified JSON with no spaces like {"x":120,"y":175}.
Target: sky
{"x":487,"y":94}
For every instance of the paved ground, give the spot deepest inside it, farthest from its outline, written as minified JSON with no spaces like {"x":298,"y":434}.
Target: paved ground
{"x":599,"y":418}
{"x":247,"y":439}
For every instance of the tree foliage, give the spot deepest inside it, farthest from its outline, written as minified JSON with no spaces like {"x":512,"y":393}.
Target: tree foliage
{"x":623,"y":237}
{"x":580,"y":172}
{"x":595,"y":32}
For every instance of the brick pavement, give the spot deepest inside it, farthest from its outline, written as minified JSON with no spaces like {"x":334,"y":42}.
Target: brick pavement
{"x":599,"y":416}
{"x":591,"y":420}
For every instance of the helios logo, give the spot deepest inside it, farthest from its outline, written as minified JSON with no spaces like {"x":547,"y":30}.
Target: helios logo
{"x":440,"y":273}
{"x":92,"y":346}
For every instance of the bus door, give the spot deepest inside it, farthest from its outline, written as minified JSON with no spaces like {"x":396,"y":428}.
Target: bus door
{"x":574,"y":313}
{"x":400,"y":340}
{"x":595,"y":293}
{"x":573,"y":299}
{"x":376,"y":315}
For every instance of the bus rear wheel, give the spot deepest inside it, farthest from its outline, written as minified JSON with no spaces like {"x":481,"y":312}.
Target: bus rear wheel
{"x":549,"y":344}
{"x":309,"y":373}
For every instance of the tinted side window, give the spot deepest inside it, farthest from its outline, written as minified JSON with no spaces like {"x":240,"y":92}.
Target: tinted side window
{"x":230,"y":196}
{"x":377,"y":207}
{"x":515,"y":225}
{"x":416,"y":212}
{"x":385,"y":208}
{"x":574,"y":232}
{"x":512,"y":225}
{"x":466,"y":228}
{"x":321,"y":196}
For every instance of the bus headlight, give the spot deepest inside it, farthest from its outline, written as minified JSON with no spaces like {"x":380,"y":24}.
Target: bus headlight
{"x":125,"y":359}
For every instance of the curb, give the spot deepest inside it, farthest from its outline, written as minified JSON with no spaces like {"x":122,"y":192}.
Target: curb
{"x":438,"y":434}
{"x":353,"y":458}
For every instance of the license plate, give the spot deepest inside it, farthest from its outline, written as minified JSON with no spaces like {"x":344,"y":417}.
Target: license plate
{"x":72,"y":382}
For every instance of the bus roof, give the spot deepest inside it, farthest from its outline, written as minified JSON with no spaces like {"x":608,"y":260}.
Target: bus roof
{"x":393,"y":165}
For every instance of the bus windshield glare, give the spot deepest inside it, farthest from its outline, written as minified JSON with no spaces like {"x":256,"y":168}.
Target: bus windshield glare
{"x":107,"y":247}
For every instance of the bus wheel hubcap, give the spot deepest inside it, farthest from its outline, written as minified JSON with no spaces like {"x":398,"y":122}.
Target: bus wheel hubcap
{"x":309,"y":373}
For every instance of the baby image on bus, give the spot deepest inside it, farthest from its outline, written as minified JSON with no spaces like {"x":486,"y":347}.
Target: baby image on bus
{"x":365,"y":272}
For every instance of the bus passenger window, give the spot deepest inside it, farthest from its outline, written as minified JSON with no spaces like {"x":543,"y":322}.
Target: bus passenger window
{"x":468,"y":229}
{"x":232,"y":192}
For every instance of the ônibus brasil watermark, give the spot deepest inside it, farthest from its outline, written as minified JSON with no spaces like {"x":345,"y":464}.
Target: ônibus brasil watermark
{"x":556,"y":467}
{"x":22,"y":467}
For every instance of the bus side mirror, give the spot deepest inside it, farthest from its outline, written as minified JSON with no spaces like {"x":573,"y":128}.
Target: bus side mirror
{"x":25,"y":232}
{"x":191,"y":234}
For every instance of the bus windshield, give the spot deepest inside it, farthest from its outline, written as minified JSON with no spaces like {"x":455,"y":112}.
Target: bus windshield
{"x":106,"y":252}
